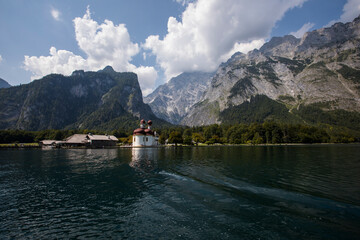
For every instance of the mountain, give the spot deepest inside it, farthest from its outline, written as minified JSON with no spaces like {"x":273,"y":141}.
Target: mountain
{"x":171,"y":101}
{"x":4,"y":84}
{"x":309,"y":80}
{"x":103,"y":100}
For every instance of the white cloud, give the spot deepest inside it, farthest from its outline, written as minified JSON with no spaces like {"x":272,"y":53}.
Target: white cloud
{"x":103,"y":44}
{"x":351,"y":10}
{"x":243,"y":47}
{"x":59,"y":61}
{"x":210,"y":29}
{"x":305,"y":28}
{"x":55,"y":14}
{"x":1,"y":58}
{"x":184,"y":2}
{"x":148,"y":76}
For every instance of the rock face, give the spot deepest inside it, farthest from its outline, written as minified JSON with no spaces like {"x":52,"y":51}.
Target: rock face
{"x":4,"y":84}
{"x":172,"y":101}
{"x":322,"y":69}
{"x":88,"y":100}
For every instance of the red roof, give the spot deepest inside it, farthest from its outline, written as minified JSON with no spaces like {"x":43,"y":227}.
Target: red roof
{"x":139,"y":131}
{"x":149,"y":132}
{"x":142,"y":131}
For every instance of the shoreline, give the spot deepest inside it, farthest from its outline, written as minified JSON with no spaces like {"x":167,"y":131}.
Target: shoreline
{"x":23,"y":146}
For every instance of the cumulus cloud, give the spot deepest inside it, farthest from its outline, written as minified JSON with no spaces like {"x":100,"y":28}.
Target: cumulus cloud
{"x":148,"y":76}
{"x":243,"y":47}
{"x":103,"y":44}
{"x":184,"y":2}
{"x":209,"y":29}
{"x":305,"y":28}
{"x":55,"y":14}
{"x":59,"y":61}
{"x":351,"y":10}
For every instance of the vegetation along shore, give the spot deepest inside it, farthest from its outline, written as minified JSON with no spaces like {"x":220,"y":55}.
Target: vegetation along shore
{"x":255,"y":133}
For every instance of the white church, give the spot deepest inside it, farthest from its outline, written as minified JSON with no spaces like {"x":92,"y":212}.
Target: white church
{"x":145,"y":137}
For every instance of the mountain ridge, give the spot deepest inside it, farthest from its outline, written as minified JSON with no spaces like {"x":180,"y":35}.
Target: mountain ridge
{"x":84,"y":100}
{"x":4,"y":84}
{"x":323,"y":67}
{"x":171,"y":101}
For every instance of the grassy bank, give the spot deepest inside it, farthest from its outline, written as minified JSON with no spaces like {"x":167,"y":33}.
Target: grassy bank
{"x":19,"y":145}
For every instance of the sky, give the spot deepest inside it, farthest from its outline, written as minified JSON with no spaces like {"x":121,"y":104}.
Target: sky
{"x":156,"y":39}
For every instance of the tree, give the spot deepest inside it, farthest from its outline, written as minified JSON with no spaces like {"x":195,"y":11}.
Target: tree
{"x":188,"y":140}
{"x":197,"y":137}
{"x":162,"y":138}
{"x":187,"y":133}
{"x":175,"y":137}
{"x":212,"y":130}
{"x":257,"y":139}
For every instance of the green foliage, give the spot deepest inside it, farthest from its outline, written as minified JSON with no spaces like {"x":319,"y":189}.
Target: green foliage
{"x":345,"y":54}
{"x":267,"y":71}
{"x":269,"y":132}
{"x":350,"y":73}
{"x":212,"y":130}
{"x":274,"y":133}
{"x":286,"y":98}
{"x":175,"y":137}
{"x":240,"y":87}
{"x":162,"y":138}
{"x":187,"y":133}
{"x":315,"y":115}
{"x":296,"y":66}
{"x":103,"y":100}
{"x":259,"y":109}
{"x":188,"y":140}
{"x":198,"y":137}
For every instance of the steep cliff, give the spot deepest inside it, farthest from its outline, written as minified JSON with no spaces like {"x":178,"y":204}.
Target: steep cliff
{"x":87,"y":100}
{"x":320,"y":71}
{"x":173,"y":100}
{"x":4,"y":84}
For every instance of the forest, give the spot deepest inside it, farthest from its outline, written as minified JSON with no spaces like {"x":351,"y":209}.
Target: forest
{"x":269,"y":132}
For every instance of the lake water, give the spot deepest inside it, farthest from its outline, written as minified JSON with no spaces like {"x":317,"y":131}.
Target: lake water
{"x":245,"y":192}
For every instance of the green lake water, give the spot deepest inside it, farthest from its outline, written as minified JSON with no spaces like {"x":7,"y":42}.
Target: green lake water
{"x":242,"y":192}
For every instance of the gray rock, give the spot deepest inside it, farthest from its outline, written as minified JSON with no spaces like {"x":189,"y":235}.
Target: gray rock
{"x":172,"y":101}
{"x":4,"y":84}
{"x":322,"y":67}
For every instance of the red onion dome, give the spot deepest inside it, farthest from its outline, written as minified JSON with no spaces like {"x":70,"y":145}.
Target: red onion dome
{"x":149,"y":122}
{"x":149,"y":132}
{"x":139,"y":131}
{"x":142,"y":121}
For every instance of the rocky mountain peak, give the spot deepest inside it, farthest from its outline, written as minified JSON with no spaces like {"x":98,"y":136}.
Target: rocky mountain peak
{"x":171,"y":101}
{"x":80,"y":73}
{"x":96,"y":100}
{"x":4,"y":84}
{"x":280,"y":46}
{"x":326,"y":37}
{"x":320,"y":70}
{"x":108,"y":69}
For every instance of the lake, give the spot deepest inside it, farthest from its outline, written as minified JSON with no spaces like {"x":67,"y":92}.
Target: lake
{"x":219,"y":192}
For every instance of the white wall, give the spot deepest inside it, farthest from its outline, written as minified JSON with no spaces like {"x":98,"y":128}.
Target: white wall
{"x":142,"y":140}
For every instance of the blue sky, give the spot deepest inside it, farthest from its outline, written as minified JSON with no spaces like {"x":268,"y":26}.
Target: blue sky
{"x":157,"y":39}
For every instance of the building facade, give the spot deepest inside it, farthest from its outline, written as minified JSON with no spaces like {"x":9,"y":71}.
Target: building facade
{"x":144,"y":137}
{"x":91,"y":140}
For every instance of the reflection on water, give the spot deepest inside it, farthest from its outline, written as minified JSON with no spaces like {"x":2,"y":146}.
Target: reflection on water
{"x":144,"y":159}
{"x":262,"y":192}
{"x":93,"y":154}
